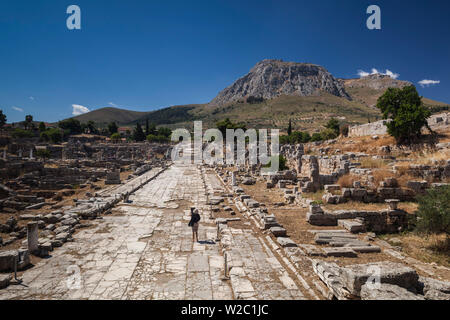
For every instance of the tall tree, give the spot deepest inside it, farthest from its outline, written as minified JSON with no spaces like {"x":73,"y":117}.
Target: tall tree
{"x":138,"y":133}
{"x":333,"y":124}
{"x":42,"y":127}
{"x":405,"y":109}
{"x":91,"y":127}
{"x":28,"y":121}
{"x":2,"y":119}
{"x":289,"y":130}
{"x":112,"y":128}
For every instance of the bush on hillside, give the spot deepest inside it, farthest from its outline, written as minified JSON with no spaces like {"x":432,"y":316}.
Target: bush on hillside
{"x":433,"y":215}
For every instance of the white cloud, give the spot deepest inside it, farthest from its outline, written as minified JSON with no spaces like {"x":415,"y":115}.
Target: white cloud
{"x":77,"y":110}
{"x":427,"y":83}
{"x":391,"y":74}
{"x":112,"y":104}
{"x":31,"y":98}
{"x":17,"y":109}
{"x":362,"y":73}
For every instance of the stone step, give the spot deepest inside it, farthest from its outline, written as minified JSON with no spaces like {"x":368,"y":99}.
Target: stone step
{"x":352,"y":225}
{"x":340,"y":252}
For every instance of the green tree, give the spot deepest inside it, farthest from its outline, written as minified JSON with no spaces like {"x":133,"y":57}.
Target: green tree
{"x":333,"y":124}
{"x":43,"y":153}
{"x":53,"y":135}
{"x":157,"y":138}
{"x":228,"y":124}
{"x":433,"y":214}
{"x":90,"y":126}
{"x":151,"y":129}
{"x":289,"y":129}
{"x":28,"y":121}
{"x":147,"y":128}
{"x":2,"y":119}
{"x":70,"y":126}
{"x":138,"y":134}
{"x":116,"y":137}
{"x":112,"y":128}
{"x":316,"y":137}
{"x":407,"y":113}
{"x":42,"y":127}
{"x":20,"y":133}
{"x":166,"y":132}
{"x":328,"y":134}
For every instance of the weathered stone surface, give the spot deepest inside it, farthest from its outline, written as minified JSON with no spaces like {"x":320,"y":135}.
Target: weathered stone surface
{"x":270,"y":78}
{"x":278,"y":231}
{"x":434,"y":289}
{"x":340,"y":252}
{"x":7,"y":259}
{"x":354,"y":276}
{"x":4,"y":280}
{"x":385,"y":291}
{"x":354,"y":226}
{"x":312,"y":250}
{"x":286,"y":242}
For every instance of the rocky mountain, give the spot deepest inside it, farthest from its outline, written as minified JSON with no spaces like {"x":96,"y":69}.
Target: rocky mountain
{"x":306,"y":94}
{"x":272,"y":78}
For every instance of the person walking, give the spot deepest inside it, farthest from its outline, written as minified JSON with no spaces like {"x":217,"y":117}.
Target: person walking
{"x":193,"y":223}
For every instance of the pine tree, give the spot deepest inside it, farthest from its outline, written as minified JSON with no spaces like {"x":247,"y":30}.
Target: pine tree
{"x":289,"y":130}
{"x":138,"y":133}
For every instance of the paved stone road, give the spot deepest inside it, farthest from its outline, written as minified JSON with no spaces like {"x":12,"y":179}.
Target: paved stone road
{"x":145,"y":251}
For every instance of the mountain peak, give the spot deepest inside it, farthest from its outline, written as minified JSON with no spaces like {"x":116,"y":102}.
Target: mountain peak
{"x":271,"y":78}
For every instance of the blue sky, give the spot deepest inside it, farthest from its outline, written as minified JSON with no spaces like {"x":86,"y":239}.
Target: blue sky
{"x":144,"y":55}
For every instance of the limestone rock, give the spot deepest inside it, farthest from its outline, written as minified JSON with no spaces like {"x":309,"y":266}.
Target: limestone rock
{"x":271,"y":78}
{"x":385,"y":291}
{"x":354,"y":276}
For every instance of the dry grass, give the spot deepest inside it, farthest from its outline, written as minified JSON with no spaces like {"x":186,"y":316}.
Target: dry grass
{"x":430,"y":157}
{"x":426,"y":248}
{"x":317,"y":196}
{"x":347,"y":180}
{"x":371,"y":163}
{"x":364,"y":144}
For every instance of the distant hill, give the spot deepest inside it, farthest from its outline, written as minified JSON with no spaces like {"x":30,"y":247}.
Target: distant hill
{"x":110,"y":114}
{"x":270,"y":95}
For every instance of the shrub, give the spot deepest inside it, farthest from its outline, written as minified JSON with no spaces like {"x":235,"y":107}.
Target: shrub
{"x":20,"y":133}
{"x":281,"y":162}
{"x":157,"y":138}
{"x":333,"y":124}
{"x":316,"y":137}
{"x":53,"y":134}
{"x":433,"y":215}
{"x":328,"y":134}
{"x":115,"y":136}
{"x":43,"y":153}
{"x":70,"y":126}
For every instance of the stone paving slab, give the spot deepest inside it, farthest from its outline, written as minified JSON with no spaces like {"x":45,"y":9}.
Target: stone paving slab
{"x":144,"y":250}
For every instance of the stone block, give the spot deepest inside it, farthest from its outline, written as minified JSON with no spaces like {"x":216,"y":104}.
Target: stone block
{"x":340,"y":252}
{"x":278,"y":231}
{"x":286,"y":242}
{"x":352,"y":225}
{"x":355,"y":276}
{"x":385,"y":291}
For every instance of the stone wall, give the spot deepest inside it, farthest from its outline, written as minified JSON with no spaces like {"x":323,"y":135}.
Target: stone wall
{"x":437,"y":121}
